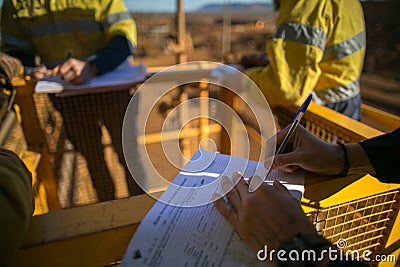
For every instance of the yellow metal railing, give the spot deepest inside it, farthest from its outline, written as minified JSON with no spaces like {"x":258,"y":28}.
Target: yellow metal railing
{"x":78,"y":235}
{"x":360,"y":210}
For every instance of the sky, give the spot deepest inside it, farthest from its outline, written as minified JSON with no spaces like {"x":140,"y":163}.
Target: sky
{"x":170,"y":5}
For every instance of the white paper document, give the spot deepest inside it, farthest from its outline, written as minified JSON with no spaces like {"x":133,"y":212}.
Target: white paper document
{"x":123,"y":74}
{"x":172,"y":235}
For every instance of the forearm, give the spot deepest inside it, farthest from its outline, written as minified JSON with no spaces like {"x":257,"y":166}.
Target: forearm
{"x":358,"y":160}
{"x":277,"y":80}
{"x":110,"y":56}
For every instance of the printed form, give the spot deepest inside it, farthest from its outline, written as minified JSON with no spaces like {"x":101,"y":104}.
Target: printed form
{"x":183,"y":235}
{"x":123,"y":74}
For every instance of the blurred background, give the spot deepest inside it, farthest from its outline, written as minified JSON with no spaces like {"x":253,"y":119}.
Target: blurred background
{"x":223,"y":30}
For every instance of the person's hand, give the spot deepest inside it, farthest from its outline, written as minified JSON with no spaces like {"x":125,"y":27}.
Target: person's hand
{"x":308,"y":152}
{"x":267,"y":216}
{"x":254,"y":60}
{"x":40,"y":72}
{"x":75,"y":71}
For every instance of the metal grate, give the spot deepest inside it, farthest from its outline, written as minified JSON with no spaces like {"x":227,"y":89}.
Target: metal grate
{"x":93,"y":122}
{"x":362,"y":224}
{"x":314,"y":123}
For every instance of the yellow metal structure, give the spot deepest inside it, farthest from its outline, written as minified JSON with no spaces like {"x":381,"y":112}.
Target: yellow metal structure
{"x":360,"y":210}
{"x":98,"y":234}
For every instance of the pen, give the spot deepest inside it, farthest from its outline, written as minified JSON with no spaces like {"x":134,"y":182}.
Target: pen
{"x":296,"y":120}
{"x":69,"y":54}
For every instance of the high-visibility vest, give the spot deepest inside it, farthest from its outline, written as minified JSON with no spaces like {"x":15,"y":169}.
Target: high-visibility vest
{"x":52,"y":28}
{"x":319,"y":47}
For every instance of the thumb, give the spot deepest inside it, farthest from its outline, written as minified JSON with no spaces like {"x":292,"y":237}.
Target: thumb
{"x":280,"y":187}
{"x":286,"y":162}
{"x":55,"y":70}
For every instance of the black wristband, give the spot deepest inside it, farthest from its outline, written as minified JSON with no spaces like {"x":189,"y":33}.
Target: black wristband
{"x":346,"y":162}
{"x":300,"y":243}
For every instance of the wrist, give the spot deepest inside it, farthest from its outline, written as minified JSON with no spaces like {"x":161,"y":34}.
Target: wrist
{"x":358,"y":159}
{"x":92,"y":69}
{"x":334,"y":162}
{"x":345,"y":159}
{"x":354,"y":160}
{"x":310,"y":244}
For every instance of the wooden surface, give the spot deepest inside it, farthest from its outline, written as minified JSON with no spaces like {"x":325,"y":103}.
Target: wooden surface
{"x":36,"y":140}
{"x":93,"y":235}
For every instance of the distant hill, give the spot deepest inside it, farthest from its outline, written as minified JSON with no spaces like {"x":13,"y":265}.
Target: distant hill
{"x":240,"y":7}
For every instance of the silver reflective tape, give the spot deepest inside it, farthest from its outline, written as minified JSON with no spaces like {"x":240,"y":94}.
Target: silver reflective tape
{"x":345,"y":48}
{"x":115,"y":18}
{"x":300,"y":33}
{"x":55,"y":28}
{"x":336,"y":94}
{"x":14,"y":41}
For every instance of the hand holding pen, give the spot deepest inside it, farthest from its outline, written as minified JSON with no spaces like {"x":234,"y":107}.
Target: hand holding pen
{"x":300,"y":149}
{"x":285,"y":136}
{"x":38,"y":72}
{"x":75,"y":71}
{"x":296,"y":120}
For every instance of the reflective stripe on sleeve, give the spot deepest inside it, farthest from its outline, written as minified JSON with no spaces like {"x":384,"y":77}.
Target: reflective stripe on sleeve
{"x":345,"y":48}
{"x":302,"y":34}
{"x":14,"y":41}
{"x":337,"y":94}
{"x":115,"y":18}
{"x":58,"y":27}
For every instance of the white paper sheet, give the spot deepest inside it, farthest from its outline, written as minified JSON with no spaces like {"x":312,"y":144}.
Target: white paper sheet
{"x":123,"y":74}
{"x":196,"y":236}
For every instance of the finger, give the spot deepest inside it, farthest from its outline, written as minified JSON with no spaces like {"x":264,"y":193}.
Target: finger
{"x":285,"y":161}
{"x":70,"y":75}
{"x":294,"y":168}
{"x":280,"y":187}
{"x":281,"y":135}
{"x":288,"y":169}
{"x":231,"y":216}
{"x":249,"y":182}
{"x":268,"y":187}
{"x":268,"y":162}
{"x":231,"y":192}
{"x":56,"y":70}
{"x":225,"y":210}
{"x":241,"y":185}
{"x":65,"y":67}
{"x":38,"y":75}
{"x":42,"y":70}
{"x":49,"y":72}
{"x":255,"y":182}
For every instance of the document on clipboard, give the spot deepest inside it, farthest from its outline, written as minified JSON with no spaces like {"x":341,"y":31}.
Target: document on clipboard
{"x":123,"y":74}
{"x":172,"y":235}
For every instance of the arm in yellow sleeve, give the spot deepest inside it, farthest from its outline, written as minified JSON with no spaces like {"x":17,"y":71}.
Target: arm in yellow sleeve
{"x":291,"y":75}
{"x":16,"y":203}
{"x":118,"y":20}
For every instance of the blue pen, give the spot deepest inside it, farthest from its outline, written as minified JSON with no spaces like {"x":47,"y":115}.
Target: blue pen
{"x":296,"y":120}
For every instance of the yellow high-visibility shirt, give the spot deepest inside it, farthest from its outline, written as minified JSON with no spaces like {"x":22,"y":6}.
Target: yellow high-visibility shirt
{"x":53,"y":28}
{"x":318,"y":47}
